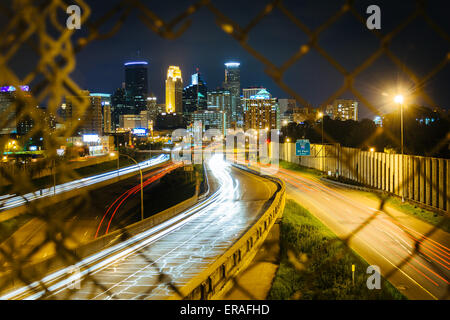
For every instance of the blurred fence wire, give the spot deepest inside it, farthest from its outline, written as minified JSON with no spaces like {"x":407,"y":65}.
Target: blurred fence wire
{"x":39,"y":26}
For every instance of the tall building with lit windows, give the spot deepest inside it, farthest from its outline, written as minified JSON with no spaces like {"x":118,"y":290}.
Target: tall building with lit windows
{"x":174,"y":90}
{"x":136,"y":85}
{"x":232,"y":83}
{"x":261,"y":112}
{"x":344,"y":109}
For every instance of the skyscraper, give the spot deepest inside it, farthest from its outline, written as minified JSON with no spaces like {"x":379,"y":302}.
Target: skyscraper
{"x":233,"y":84}
{"x":136,"y":84}
{"x":195,"y":95}
{"x":174,"y":90}
{"x":220,"y":99}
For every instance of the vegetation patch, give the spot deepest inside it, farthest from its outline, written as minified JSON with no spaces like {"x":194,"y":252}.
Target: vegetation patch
{"x":410,"y":208}
{"x":316,"y":264}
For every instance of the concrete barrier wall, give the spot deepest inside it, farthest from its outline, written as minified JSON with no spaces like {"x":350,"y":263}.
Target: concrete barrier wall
{"x":422,"y":179}
{"x":215,"y":280}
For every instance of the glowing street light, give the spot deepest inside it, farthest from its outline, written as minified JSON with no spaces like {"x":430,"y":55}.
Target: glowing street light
{"x":398,"y":99}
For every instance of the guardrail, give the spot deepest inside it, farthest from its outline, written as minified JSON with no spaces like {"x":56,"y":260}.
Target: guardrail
{"x":215,"y":280}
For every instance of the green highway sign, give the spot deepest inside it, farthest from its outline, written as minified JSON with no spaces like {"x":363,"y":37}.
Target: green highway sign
{"x":302,"y":148}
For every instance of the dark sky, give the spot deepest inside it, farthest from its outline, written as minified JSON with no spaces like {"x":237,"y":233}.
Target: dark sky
{"x":206,"y":46}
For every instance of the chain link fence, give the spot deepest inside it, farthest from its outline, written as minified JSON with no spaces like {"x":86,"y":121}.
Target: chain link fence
{"x":38,"y":26}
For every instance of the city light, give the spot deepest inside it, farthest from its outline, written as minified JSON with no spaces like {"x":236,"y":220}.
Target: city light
{"x":372,"y":149}
{"x":232,"y":64}
{"x":398,"y":99}
{"x":136,"y":63}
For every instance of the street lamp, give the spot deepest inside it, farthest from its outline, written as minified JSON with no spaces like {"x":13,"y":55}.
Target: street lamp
{"x":142,"y":184}
{"x":399,"y":100}
{"x":320,"y":114}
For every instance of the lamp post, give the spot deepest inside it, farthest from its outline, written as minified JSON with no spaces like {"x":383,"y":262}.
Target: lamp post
{"x":320,"y":114}
{"x":142,"y":184}
{"x":399,"y":100}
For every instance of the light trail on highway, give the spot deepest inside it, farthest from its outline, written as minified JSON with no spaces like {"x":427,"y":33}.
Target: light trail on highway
{"x":180,"y":248}
{"x":117,"y":203}
{"x":12,"y":201}
{"x":418,"y":264}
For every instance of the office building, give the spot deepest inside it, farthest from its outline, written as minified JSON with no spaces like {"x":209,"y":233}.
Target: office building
{"x":83,"y":113}
{"x":344,"y":109}
{"x":261,"y":112}
{"x":119,"y":106}
{"x":105,"y":100}
{"x":9,"y":110}
{"x":287,"y":105}
{"x":154,"y":108}
{"x":195,"y":95}
{"x":136,"y":85}
{"x":135,"y":121}
{"x":251,"y":91}
{"x":232,"y":83}
{"x":174,"y":90}
{"x":211,"y":119}
{"x":220,"y":99}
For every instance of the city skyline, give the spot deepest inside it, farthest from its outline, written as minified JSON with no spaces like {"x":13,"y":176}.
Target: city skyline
{"x":208,"y":48}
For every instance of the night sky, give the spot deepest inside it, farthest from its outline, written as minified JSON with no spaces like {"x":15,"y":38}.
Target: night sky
{"x":205,"y":46}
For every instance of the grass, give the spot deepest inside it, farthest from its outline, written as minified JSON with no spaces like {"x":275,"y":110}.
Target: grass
{"x":433,"y":218}
{"x":296,"y":167}
{"x":316,"y":264}
{"x":406,"y":207}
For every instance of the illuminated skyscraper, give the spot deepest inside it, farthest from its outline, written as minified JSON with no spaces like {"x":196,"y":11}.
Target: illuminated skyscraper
{"x":174,"y":90}
{"x":136,"y":85}
{"x":233,"y":84}
{"x":195,"y":95}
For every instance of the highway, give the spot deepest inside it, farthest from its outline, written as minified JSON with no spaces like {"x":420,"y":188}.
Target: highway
{"x":10,"y":201}
{"x":180,"y":248}
{"x":84,"y":217}
{"x":388,"y":241}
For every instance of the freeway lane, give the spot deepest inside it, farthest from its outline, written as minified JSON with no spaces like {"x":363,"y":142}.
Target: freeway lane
{"x":377,"y":237}
{"x":80,"y":216}
{"x":181,"y":248}
{"x":11,"y":201}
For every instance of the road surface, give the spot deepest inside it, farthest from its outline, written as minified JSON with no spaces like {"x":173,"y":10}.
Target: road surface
{"x":180,"y":248}
{"x":9,"y":201}
{"x":383,"y":240}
